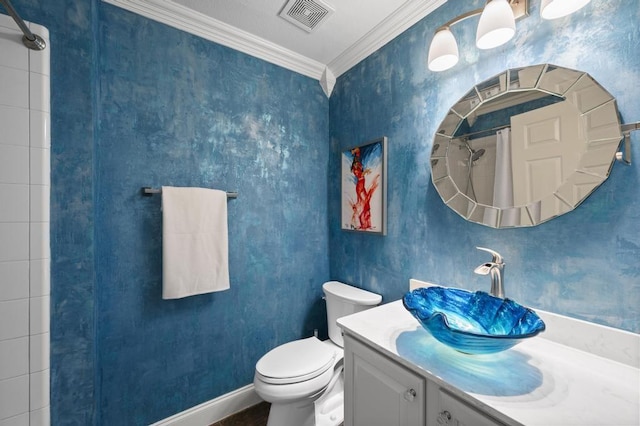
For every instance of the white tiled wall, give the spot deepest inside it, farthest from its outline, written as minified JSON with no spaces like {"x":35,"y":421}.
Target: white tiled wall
{"x":24,"y":228}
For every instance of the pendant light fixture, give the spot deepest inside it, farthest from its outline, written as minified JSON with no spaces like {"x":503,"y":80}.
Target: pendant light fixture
{"x":497,"y":26}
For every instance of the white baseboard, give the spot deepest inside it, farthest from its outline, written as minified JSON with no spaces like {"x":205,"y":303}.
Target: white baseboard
{"x":215,"y":410}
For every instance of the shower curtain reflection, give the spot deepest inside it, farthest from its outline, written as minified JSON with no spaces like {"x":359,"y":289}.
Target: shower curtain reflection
{"x":503,"y":183}
{"x":502,"y":196}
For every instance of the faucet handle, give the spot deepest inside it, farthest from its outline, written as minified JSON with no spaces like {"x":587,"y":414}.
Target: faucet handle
{"x":496,"y":256}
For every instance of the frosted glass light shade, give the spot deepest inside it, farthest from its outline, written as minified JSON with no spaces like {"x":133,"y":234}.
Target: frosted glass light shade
{"x":443,"y":52}
{"x":553,"y":9}
{"x":497,"y":25}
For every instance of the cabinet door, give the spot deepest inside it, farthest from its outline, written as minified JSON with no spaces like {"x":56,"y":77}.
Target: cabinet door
{"x":450,"y":411}
{"x":378,"y":391}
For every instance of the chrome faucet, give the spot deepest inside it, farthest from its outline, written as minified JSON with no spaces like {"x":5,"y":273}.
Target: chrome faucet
{"x":494,"y":269}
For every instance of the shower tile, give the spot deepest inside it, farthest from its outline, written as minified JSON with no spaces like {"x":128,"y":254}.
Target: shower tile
{"x":39,"y":241}
{"x":14,"y":319}
{"x":41,"y":417}
{"x":14,"y":87}
{"x":38,"y":352}
{"x":40,"y":30}
{"x":21,"y":354}
{"x":39,"y":200}
{"x":14,"y":123}
{"x":15,"y":280}
{"x":39,"y":59}
{"x":7,"y":22}
{"x":39,"y":129}
{"x":14,"y":357}
{"x":39,"y":315}
{"x":39,"y":277}
{"x":39,"y":390}
{"x":14,"y":164}
{"x":14,"y":54}
{"x":39,"y":92}
{"x":20,"y":420}
{"x":15,"y":203}
{"x":14,"y":396}
{"x":14,"y":241}
{"x":40,"y":165}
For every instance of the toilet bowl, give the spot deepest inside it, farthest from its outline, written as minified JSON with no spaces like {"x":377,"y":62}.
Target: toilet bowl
{"x":293,"y":376}
{"x":303,"y":379}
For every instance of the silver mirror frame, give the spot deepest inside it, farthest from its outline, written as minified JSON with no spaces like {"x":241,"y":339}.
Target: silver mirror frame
{"x":598,"y":127}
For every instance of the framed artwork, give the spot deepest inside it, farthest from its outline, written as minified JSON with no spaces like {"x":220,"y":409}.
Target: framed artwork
{"x":364,"y":187}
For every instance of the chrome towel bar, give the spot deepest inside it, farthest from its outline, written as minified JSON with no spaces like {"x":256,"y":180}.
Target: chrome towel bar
{"x":147,"y":191}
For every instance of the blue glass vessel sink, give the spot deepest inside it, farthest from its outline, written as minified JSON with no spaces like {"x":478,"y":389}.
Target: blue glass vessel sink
{"x":472,"y":322}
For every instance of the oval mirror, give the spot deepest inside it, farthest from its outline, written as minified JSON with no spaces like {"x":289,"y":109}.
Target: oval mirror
{"x":525,"y":146}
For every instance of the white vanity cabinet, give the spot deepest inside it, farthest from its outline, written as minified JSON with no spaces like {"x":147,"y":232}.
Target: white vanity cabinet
{"x":390,"y":357}
{"x":381,"y":392}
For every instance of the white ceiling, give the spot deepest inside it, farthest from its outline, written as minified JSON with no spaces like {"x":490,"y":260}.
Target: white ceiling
{"x":353,"y":31}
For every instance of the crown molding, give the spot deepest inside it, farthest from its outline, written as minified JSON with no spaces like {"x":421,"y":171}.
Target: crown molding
{"x":401,"y":20}
{"x":183,"y":18}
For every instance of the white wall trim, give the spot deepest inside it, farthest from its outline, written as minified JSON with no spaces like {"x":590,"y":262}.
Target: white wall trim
{"x":183,"y":18}
{"x":215,"y":410}
{"x":392,"y":27}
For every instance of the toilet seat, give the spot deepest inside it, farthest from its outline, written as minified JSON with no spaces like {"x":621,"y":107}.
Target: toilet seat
{"x":296,"y":362}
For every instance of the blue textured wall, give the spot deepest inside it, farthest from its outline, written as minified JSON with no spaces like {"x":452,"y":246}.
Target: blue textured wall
{"x":175,"y":109}
{"x":585,"y":264}
{"x":120,"y":355}
{"x":137,"y":103}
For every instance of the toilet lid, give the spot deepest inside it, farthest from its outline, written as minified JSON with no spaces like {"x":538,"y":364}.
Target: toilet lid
{"x":296,"y":361}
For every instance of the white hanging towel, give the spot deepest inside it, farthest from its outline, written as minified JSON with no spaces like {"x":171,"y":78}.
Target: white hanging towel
{"x":195,"y":248}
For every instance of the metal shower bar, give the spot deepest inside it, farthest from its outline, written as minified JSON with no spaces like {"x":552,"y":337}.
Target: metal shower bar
{"x":31,"y":40}
{"x":491,"y":130}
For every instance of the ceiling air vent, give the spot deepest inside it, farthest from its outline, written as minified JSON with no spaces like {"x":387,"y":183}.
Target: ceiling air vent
{"x":306,"y":14}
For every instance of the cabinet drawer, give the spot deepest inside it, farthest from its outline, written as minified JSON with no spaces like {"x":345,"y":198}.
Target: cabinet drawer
{"x":453,"y":412}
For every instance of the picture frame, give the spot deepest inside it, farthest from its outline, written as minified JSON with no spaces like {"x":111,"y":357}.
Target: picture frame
{"x":364,"y":187}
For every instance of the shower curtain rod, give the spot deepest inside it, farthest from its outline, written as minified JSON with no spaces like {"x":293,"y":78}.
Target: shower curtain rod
{"x":493,"y":129}
{"x":31,"y":40}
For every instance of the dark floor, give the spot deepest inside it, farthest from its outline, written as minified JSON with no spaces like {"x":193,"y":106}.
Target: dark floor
{"x":252,"y":416}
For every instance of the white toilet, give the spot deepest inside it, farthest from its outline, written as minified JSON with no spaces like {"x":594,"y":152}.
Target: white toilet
{"x":303,"y":379}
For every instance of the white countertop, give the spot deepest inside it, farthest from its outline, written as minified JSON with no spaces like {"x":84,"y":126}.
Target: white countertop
{"x":537,"y":382}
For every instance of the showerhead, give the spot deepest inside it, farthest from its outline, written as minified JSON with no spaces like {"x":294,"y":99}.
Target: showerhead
{"x":477,"y":154}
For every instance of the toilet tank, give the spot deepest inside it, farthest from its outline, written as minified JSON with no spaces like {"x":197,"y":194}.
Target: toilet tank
{"x":343,"y":300}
